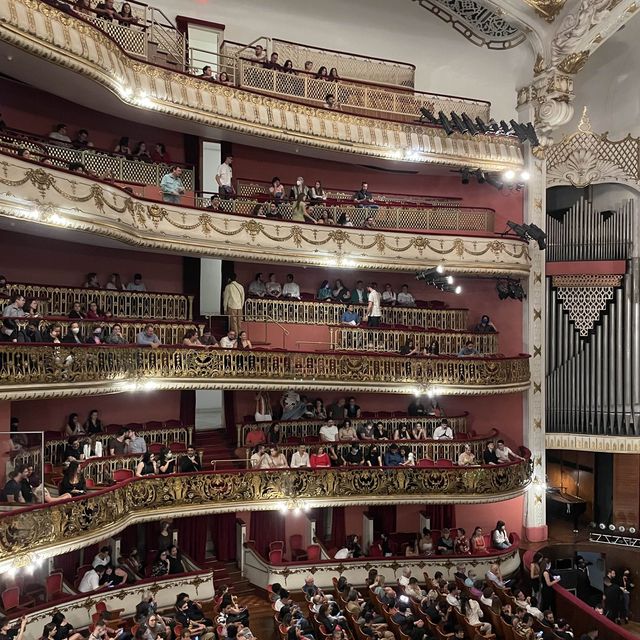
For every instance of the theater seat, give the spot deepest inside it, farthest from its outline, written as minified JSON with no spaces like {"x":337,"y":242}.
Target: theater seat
{"x":275,"y":556}
{"x":122,"y":474}
{"x":313,"y":552}
{"x":425,"y":462}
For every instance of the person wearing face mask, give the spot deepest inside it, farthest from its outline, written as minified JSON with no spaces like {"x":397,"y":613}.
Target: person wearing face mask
{"x":96,"y":335}
{"x":73,"y":335}
{"x":298,"y":190}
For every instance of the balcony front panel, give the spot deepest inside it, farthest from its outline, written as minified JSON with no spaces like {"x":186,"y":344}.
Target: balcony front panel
{"x":33,"y":371}
{"x":80,"y":47}
{"x":63,"y":526}
{"x":591,"y":442}
{"x":48,"y":197}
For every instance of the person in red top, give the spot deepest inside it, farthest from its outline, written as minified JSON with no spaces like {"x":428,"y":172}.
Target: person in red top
{"x":255,"y":436}
{"x":320,"y":459}
{"x":159,"y":154}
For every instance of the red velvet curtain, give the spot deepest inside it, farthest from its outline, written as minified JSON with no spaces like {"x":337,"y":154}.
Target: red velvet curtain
{"x":266,"y":527}
{"x":338,"y":528}
{"x":68,"y":563}
{"x":192,"y":537}
{"x":441,"y":515}
{"x":129,"y":540}
{"x":384,"y":519}
{"x":188,"y":407}
{"x":320,"y":515}
{"x":223,"y":533}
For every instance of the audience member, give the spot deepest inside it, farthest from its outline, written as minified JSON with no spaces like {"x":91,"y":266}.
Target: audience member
{"x":485,"y":326}
{"x":160,"y":154}
{"x":404,"y":298}
{"x":468,"y":350}
{"x":224,"y":178}
{"x":16,"y":308}
{"x":300,"y":458}
{"x":374,"y":310}
{"x":190,"y":462}
{"x":147,"y":337}
{"x":123,"y":148}
{"x":233,"y":302}
{"x":443,"y":431}
{"x":137,"y":284}
{"x":467,"y":457}
{"x":171,"y":186}
{"x":504,"y":454}
{"x":364,"y":198}
{"x":59,"y":135}
{"x":91,"y":579}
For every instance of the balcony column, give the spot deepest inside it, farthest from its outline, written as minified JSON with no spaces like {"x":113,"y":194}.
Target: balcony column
{"x":535,"y":517}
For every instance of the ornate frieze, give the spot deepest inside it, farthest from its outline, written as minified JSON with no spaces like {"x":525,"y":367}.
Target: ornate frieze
{"x":57,"y":528}
{"x":52,"y":198}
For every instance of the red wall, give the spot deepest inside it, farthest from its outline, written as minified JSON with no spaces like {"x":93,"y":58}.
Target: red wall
{"x":37,"y":112}
{"x":27,"y":258}
{"x":261,"y":164}
{"x":485,"y":412}
{"x":143,"y":406}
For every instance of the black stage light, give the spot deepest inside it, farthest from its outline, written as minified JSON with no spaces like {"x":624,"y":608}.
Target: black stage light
{"x":481,"y":176}
{"x":538,"y":235}
{"x":446,"y":124}
{"x":466,"y":174}
{"x":494,"y":182}
{"x":504,"y":128}
{"x":519,"y":130}
{"x":428,"y":275}
{"x":481,"y":125}
{"x":519,"y":229}
{"x":516,"y":291}
{"x":502,"y":287}
{"x":532,"y":135}
{"x":428,"y":116}
{"x":460,"y":126}
{"x":471,"y":128}
{"x":495,"y":127}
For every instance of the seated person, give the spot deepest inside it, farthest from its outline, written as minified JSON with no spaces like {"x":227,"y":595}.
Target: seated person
{"x":325,"y":292}
{"x":328,"y":432}
{"x":364,"y":197}
{"x":273,"y":287}
{"x":274,"y":459}
{"x":489,"y":454}
{"x":405,"y":299}
{"x":485,"y":326}
{"x":393,"y":457}
{"x":257,"y":287}
{"x":255,"y":436}
{"x":300,"y":458}
{"x":446,"y":543}
{"x":389,"y":295}
{"x":466,"y":458}
{"x":443,"y":431}
{"x":350,"y":316}
{"x":468,"y":350}
{"x":478,"y":543}
{"x":291,"y":290}
{"x":148,"y":338}
{"x":366,"y":431}
{"x":353,"y":455}
{"x":409,"y":348}
{"x":504,"y":454}
{"x":292,"y":406}
{"x":320,"y":459}
{"x":500,"y":537}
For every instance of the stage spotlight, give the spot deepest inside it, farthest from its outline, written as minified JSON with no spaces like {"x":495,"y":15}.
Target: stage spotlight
{"x":612,"y":527}
{"x":504,"y":128}
{"x":495,"y":127}
{"x":538,"y":235}
{"x":519,"y":229}
{"x":466,"y":174}
{"x":446,"y":124}
{"x":480,"y":176}
{"x":632,"y":530}
{"x":459,"y":124}
{"x":471,"y":128}
{"x":458,"y":290}
{"x":481,"y":125}
{"x":510,"y":289}
{"x":427,"y":115}
{"x":531,"y":134}
{"x":429,"y":275}
{"x":509,"y":175}
{"x":519,"y":130}
{"x":494,"y":182}
{"x":621,"y":529}
{"x":602,"y":526}
{"x":525,"y":176}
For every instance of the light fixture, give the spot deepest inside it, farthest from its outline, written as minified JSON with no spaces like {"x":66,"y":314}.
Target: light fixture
{"x":509,"y":175}
{"x":480,"y":175}
{"x":621,"y":529}
{"x":525,"y":176}
{"x":494,"y":182}
{"x":529,"y":232}
{"x":632,"y":530}
{"x":466,"y":174}
{"x":471,"y":128}
{"x":612,"y":527}
{"x":431,"y":274}
{"x":602,"y":526}
{"x":510,"y":289}
{"x":445,"y":123}
{"x":458,"y":123}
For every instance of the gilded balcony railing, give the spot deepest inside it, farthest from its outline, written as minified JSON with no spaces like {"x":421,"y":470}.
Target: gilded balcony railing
{"x":100,"y":470}
{"x":55,"y":369}
{"x":328,"y":313}
{"x":101,"y":163}
{"x":98,"y":515}
{"x":432,"y":218}
{"x":430,"y":449}
{"x":54,"y":449}
{"x":391,"y":340}
{"x":366,"y":99}
{"x":58,"y":301}
{"x":168,"y":332}
{"x":311,"y":428}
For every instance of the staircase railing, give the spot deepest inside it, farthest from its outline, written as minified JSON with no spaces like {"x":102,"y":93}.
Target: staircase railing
{"x":167,"y":37}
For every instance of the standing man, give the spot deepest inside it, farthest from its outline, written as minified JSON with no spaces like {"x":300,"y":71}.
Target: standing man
{"x":171,"y":186}
{"x":233,"y":303}
{"x":374,"y":310}
{"x":223,"y":178}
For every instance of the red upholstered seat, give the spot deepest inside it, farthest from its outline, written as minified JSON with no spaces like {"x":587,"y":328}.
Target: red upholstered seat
{"x":122,"y":474}
{"x":313,"y":552}
{"x":275,"y":556}
{"x":53,"y":586}
{"x":443,"y":463}
{"x":153,"y":424}
{"x":425,"y":462}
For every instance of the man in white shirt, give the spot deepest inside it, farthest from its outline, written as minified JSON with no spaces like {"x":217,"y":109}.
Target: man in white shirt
{"x":403,"y":580}
{"x":374,"y":310}
{"x":257,"y":456}
{"x":329,"y":432}
{"x":300,"y":458}
{"x":291,"y":289}
{"x":504,"y":454}
{"x":102,"y":558}
{"x":233,"y":302}
{"x":443,"y":431}
{"x":228,"y":341}
{"x":452,"y":596}
{"x":257,"y":286}
{"x":59,"y":134}
{"x":91,"y":580}
{"x":405,"y":299}
{"x":224,"y":176}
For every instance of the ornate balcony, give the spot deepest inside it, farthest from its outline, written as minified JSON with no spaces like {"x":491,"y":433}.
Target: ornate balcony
{"x":77,"y":46}
{"x":77,"y":522}
{"x":48,"y":197}
{"x":34,"y":371}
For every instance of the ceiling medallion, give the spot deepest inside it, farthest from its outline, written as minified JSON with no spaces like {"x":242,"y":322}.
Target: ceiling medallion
{"x":476,"y":23}
{"x":548,"y":9}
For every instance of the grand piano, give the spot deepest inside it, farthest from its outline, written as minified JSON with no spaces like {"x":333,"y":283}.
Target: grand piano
{"x":565,"y":505}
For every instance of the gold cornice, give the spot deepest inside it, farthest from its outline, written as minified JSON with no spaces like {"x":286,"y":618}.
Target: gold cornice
{"x":547,"y":9}
{"x":47,"y":197}
{"x":62,"y":527}
{"x":574,"y":62}
{"x":186,"y":97}
{"x":596,"y":443}
{"x":38,"y":372}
